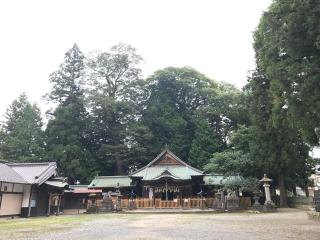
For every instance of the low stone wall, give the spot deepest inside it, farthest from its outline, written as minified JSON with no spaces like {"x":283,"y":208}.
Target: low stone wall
{"x":304,"y":203}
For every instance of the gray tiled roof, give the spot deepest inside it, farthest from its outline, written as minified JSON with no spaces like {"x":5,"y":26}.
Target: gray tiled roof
{"x":7,"y":174}
{"x":28,"y":173}
{"x":35,"y":173}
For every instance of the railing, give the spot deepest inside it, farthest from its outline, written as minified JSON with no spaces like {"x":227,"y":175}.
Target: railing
{"x":244,"y":202}
{"x":175,"y":203}
{"x":167,"y":204}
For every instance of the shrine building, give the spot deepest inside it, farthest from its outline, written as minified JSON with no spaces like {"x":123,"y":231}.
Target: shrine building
{"x":165,"y":178}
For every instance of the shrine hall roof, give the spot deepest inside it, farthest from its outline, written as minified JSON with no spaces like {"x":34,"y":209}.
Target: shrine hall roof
{"x":167,"y":164}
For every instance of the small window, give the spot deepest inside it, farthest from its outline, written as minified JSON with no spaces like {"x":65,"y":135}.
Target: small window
{"x":5,"y":188}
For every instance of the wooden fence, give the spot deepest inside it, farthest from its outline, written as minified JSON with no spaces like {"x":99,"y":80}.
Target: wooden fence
{"x":176,"y":203}
{"x":244,"y":202}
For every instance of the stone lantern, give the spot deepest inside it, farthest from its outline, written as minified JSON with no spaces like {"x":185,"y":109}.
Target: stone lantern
{"x":118,"y":196}
{"x":269,"y":204}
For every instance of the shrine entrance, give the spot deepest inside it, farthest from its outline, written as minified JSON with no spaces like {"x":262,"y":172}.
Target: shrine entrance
{"x":167,"y":196}
{"x":166,"y":189}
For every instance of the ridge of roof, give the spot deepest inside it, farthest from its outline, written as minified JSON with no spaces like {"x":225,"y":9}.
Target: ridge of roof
{"x":34,"y":163}
{"x":106,"y":177}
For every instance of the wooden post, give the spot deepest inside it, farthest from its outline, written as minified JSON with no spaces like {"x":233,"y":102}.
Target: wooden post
{"x":30,"y":199}
{"x":49,"y":205}
{"x":58,"y":209}
{"x":166,"y":190}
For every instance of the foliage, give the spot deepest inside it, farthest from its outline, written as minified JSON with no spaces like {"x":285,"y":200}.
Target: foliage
{"x":115,"y":103}
{"x":284,"y":91}
{"x":204,"y":143}
{"x":174,"y":96}
{"x":67,"y":129}
{"x":278,"y":149}
{"x":186,"y":110}
{"x":112,"y":72}
{"x":67,"y":80}
{"x":287,"y":45}
{"x":22,"y":138}
{"x":230,"y":163}
{"x":239,"y":183}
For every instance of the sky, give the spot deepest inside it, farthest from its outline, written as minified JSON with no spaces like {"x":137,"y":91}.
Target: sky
{"x":212,"y":36}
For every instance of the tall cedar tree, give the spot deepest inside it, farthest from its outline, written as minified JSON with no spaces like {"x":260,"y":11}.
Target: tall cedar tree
{"x":67,"y":130}
{"x":287,"y":44}
{"x":278,"y":147}
{"x":22,"y":138}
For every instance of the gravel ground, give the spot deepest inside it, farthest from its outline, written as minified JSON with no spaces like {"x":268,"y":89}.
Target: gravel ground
{"x":285,"y":224}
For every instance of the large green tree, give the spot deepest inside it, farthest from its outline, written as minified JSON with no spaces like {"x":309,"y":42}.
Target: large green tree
{"x":278,"y":147}
{"x":67,"y":129}
{"x":191,"y":113}
{"x":267,"y":143}
{"x":287,"y":44}
{"x":175,"y":95}
{"x":115,"y":102}
{"x":22,"y":138}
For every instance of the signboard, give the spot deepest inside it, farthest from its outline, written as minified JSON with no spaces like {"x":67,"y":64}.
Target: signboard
{"x":33,"y":203}
{"x":316,"y":200}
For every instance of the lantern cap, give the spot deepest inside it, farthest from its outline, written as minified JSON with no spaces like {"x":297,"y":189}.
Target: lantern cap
{"x":265,"y":179}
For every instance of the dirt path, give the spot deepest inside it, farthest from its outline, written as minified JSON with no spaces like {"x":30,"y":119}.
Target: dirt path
{"x":289,"y":224}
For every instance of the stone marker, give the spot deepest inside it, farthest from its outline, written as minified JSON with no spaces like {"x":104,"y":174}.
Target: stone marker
{"x":107,"y":205}
{"x":232,"y":201}
{"x":218,"y":202}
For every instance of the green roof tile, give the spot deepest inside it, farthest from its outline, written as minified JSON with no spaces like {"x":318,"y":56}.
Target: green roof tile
{"x":176,"y":171}
{"x":110,"y":182}
{"x":179,"y":171}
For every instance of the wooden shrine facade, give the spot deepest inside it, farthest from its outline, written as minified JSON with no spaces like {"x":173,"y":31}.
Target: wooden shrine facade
{"x":165,"y":181}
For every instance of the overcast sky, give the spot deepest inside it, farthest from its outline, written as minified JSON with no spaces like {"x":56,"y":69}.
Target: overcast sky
{"x":214,"y":37}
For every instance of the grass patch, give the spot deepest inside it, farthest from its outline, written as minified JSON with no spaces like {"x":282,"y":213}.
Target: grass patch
{"x":28,"y":228}
{"x":55,"y":223}
{"x":41,"y":222}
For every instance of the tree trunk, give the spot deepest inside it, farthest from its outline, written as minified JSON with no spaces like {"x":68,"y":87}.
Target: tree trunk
{"x":119,"y":166}
{"x":294,"y":191}
{"x":306,"y":191}
{"x":283,"y":191}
